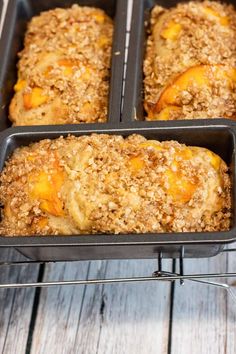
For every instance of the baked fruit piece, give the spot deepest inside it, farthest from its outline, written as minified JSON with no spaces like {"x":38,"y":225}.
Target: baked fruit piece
{"x":190,"y":62}
{"x":64,"y":68}
{"x":108,"y":184}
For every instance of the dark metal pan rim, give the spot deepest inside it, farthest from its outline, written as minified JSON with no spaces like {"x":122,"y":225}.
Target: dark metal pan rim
{"x":222,"y":237}
{"x":107,"y":128}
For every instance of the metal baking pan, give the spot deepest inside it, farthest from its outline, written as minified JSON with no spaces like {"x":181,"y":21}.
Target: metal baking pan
{"x":1,"y":6}
{"x":133,"y":98}
{"x":221,"y":139}
{"x":18,"y":15}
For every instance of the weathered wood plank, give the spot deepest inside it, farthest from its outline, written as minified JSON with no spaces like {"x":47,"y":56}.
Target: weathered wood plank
{"x":200,"y":323}
{"x":135,"y":316}
{"x":59,"y":309}
{"x":124,"y":318}
{"x":230,"y":345}
{"x":15,"y":304}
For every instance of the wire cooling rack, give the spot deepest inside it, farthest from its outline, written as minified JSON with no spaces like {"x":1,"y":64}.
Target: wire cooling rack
{"x":158,"y":275}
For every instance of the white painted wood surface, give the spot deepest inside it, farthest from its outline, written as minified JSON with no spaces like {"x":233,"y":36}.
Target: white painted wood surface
{"x":230,"y":341}
{"x":204,"y":316}
{"x":15,"y":304}
{"x":124,"y":318}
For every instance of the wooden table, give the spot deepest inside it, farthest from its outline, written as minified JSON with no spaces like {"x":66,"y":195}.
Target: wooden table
{"x":137,"y":318}
{"x":140,"y":318}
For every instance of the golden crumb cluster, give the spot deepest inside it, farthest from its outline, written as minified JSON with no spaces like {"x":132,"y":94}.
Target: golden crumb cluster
{"x":110,"y":184}
{"x":190,"y":63}
{"x":64,"y":68}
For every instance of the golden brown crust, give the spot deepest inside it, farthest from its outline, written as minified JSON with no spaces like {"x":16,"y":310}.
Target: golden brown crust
{"x":190,"y":63}
{"x":108,"y":184}
{"x":63,"y":71}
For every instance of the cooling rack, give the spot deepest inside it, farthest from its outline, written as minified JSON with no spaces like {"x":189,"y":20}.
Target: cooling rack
{"x":158,"y":275}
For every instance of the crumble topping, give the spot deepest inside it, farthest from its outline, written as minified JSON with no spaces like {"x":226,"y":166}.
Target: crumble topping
{"x":110,"y":184}
{"x":190,"y":62}
{"x":64,"y":68}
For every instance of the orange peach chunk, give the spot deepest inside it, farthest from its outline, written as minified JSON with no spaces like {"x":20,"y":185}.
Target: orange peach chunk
{"x":197,"y":75}
{"x":34,"y":98}
{"x":215,"y":160}
{"x":103,"y":41}
{"x":136,"y":163}
{"x":180,"y":188}
{"x":171,"y":31}
{"x":68,"y":66}
{"x":99,"y":17}
{"x":212,"y":14}
{"x":165,"y":114}
{"x":45,"y":188}
{"x":20,"y":85}
{"x":184,"y":154}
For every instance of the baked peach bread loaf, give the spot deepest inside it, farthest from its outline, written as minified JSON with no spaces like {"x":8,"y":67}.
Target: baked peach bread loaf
{"x":190,"y":62}
{"x":110,"y":184}
{"x":64,"y":68}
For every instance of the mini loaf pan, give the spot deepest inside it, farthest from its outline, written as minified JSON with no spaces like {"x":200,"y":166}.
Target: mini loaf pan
{"x":220,"y":139}
{"x":20,"y":12}
{"x":134,"y":90}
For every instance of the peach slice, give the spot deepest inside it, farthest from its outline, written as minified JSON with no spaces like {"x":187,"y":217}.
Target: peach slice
{"x":45,"y":188}
{"x":200,"y":76}
{"x":171,"y":31}
{"x":66,"y":62}
{"x":184,"y":154}
{"x":212,"y":14}
{"x":103,"y":41}
{"x":34,"y":98}
{"x":197,"y":75}
{"x":136,"y":163}
{"x":215,"y":160}
{"x":180,"y":188}
{"x":87,"y":74}
{"x":165,"y":114}
{"x":99,"y":17}
{"x":42,"y":222}
{"x":47,"y":71}
{"x":20,"y":85}
{"x":67,"y":65}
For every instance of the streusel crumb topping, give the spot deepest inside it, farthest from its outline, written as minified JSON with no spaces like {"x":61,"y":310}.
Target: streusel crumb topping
{"x":190,"y":62}
{"x":110,"y":184}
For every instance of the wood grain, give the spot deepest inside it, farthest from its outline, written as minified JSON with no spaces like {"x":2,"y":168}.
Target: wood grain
{"x":200,"y":323}
{"x":135,"y":316}
{"x":59,"y":309}
{"x":230,"y":340}
{"x":124,"y":318}
{"x":15,"y":304}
